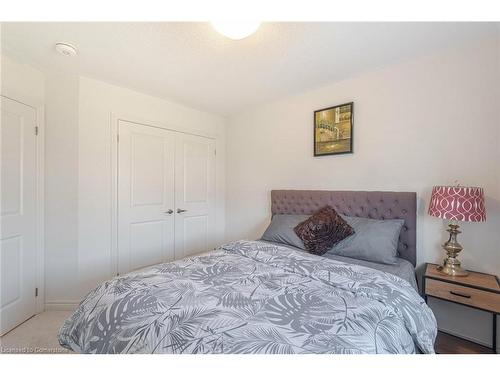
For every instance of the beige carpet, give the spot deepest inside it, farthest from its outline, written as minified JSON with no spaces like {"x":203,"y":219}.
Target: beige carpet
{"x":36,"y":335}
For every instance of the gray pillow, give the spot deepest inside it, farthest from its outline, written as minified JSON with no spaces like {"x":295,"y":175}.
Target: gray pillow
{"x":373,"y":240}
{"x":281,"y":230}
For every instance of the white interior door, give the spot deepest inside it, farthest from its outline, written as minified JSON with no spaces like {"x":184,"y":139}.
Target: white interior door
{"x":145,"y":196}
{"x":18,"y":214}
{"x":194,"y":195}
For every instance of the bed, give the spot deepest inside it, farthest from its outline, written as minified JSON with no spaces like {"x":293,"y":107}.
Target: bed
{"x":262,"y":297}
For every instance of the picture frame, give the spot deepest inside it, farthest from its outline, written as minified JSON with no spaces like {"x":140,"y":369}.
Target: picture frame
{"x":333,"y":130}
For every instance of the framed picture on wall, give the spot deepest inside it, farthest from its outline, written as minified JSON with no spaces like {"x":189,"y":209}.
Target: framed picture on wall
{"x":333,"y":130}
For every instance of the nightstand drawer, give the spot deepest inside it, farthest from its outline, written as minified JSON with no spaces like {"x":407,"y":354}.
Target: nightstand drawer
{"x":468,"y":296}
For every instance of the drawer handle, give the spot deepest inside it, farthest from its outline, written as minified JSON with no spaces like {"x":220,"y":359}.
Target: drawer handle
{"x":460,"y":294}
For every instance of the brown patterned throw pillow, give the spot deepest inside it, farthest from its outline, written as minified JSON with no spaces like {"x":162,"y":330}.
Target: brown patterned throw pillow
{"x":323,"y":230}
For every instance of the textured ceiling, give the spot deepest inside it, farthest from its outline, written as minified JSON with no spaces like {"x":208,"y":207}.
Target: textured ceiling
{"x":192,"y":64}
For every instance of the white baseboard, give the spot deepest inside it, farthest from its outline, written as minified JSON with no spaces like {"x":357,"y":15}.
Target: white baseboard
{"x":61,"y":305}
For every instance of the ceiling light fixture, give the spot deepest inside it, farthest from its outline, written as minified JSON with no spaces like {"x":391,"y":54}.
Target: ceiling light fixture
{"x":66,"y":49}
{"x":236,"y":29}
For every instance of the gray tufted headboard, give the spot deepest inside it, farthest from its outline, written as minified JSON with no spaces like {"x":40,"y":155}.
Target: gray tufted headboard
{"x":370,"y":204}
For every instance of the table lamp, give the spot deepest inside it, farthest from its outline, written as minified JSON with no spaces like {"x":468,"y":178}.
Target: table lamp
{"x":456,"y":203}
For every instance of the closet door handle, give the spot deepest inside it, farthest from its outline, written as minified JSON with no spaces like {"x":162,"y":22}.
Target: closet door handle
{"x":180,"y":210}
{"x":169,"y":212}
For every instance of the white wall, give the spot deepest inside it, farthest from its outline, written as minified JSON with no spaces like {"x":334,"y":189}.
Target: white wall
{"x":61,"y":187}
{"x":417,"y":124}
{"x":22,"y":81}
{"x":98,"y":101}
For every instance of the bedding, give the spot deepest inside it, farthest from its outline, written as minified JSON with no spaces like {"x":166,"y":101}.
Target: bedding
{"x":281,"y":230}
{"x":402,"y":268}
{"x":373,"y":240}
{"x":252,"y":297}
{"x":324,"y":229}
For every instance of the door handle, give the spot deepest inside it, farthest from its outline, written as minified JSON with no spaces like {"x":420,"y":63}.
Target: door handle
{"x":180,"y":210}
{"x":169,"y":212}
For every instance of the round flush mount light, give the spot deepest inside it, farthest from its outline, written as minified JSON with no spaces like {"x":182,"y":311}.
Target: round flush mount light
{"x":66,"y":49}
{"x":236,"y":29}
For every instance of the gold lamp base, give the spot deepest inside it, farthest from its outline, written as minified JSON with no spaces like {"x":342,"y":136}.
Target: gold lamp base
{"x":452,"y":269}
{"x":451,"y":265}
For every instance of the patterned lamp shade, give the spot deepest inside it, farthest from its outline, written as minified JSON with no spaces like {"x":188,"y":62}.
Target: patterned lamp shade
{"x":458,"y":203}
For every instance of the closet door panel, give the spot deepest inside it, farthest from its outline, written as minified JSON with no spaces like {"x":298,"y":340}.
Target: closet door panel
{"x":148,"y":174}
{"x":145,"y":196}
{"x":195,"y":195}
{"x":147,"y":243}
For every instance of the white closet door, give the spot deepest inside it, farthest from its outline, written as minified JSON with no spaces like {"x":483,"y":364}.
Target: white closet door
{"x":18,"y":214}
{"x":145,"y":196}
{"x":194,"y":195}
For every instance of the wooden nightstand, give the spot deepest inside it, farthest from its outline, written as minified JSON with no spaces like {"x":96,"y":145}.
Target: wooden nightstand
{"x":477,"y":290}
